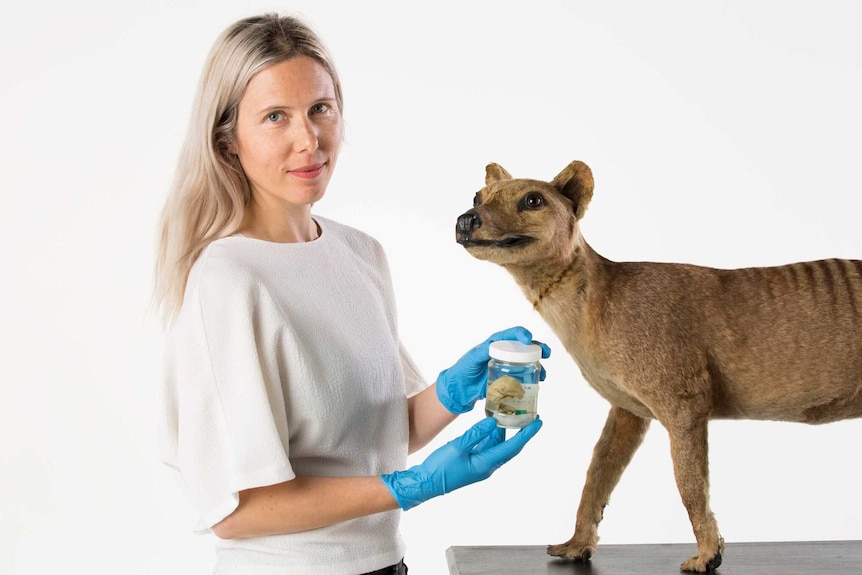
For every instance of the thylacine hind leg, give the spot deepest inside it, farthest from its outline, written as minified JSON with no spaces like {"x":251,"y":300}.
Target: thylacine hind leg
{"x":622,"y":435}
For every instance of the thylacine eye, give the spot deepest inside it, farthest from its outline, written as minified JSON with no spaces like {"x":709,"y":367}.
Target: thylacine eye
{"x":532,"y":201}
{"x":477,"y":199}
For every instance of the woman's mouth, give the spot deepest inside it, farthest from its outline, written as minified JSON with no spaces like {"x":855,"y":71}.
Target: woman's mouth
{"x":308,"y":172}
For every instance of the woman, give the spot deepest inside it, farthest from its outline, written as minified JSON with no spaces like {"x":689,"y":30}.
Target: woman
{"x":289,"y":404}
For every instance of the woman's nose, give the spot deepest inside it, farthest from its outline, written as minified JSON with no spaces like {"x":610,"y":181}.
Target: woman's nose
{"x":304,"y":136}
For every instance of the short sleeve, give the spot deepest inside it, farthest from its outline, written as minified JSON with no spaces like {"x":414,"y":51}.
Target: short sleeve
{"x":224,"y":425}
{"x":413,"y":380}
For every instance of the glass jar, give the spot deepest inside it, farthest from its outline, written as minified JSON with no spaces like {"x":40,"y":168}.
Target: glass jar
{"x":513,"y":383}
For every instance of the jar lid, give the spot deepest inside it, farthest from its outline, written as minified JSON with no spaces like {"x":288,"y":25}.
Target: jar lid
{"x":510,"y":350}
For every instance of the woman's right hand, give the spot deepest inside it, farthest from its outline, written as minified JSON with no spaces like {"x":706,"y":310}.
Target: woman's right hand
{"x":474,"y":456}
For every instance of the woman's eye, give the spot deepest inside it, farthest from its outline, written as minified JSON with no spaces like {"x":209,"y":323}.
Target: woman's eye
{"x":319,"y":108}
{"x":274,"y":116}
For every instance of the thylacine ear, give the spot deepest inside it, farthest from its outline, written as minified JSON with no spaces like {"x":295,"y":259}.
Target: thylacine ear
{"x":495,"y":173}
{"x":576,"y":183}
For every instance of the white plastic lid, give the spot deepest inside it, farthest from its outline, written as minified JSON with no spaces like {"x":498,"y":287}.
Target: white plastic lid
{"x":509,"y":350}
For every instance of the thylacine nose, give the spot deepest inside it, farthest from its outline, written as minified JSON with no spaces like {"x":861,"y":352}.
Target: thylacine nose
{"x":467,"y":222}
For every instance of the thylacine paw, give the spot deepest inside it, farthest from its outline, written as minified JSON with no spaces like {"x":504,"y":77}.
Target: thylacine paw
{"x":572,"y":550}
{"x":698,"y":565}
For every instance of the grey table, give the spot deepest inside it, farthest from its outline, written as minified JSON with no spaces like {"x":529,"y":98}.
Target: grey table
{"x":783,"y":558}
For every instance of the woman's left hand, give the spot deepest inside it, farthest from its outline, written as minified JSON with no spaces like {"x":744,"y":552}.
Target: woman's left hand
{"x":460,"y":386}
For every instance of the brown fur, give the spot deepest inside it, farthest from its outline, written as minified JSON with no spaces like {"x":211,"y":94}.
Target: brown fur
{"x":678,"y":343}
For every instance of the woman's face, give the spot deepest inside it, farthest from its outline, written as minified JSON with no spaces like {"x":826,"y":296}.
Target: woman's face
{"x":288,"y":134}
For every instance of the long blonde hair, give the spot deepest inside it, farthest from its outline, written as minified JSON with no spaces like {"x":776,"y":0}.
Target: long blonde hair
{"x":210,"y":190}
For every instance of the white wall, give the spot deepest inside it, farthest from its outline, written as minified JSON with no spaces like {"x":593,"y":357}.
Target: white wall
{"x":720,"y":133}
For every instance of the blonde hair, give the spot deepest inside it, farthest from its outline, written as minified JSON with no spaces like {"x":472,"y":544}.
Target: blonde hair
{"x":210,"y":190}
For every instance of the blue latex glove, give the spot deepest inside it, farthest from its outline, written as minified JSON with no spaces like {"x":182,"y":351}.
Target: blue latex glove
{"x":460,"y":386}
{"x":470,"y":458}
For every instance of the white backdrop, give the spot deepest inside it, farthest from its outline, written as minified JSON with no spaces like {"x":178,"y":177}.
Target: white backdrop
{"x":720,"y":133}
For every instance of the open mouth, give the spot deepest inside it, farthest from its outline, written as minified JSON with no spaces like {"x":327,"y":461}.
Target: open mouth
{"x":507,"y":242}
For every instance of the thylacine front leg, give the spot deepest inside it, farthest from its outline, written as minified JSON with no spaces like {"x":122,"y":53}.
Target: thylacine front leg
{"x":622,"y":435}
{"x":689,"y":450}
